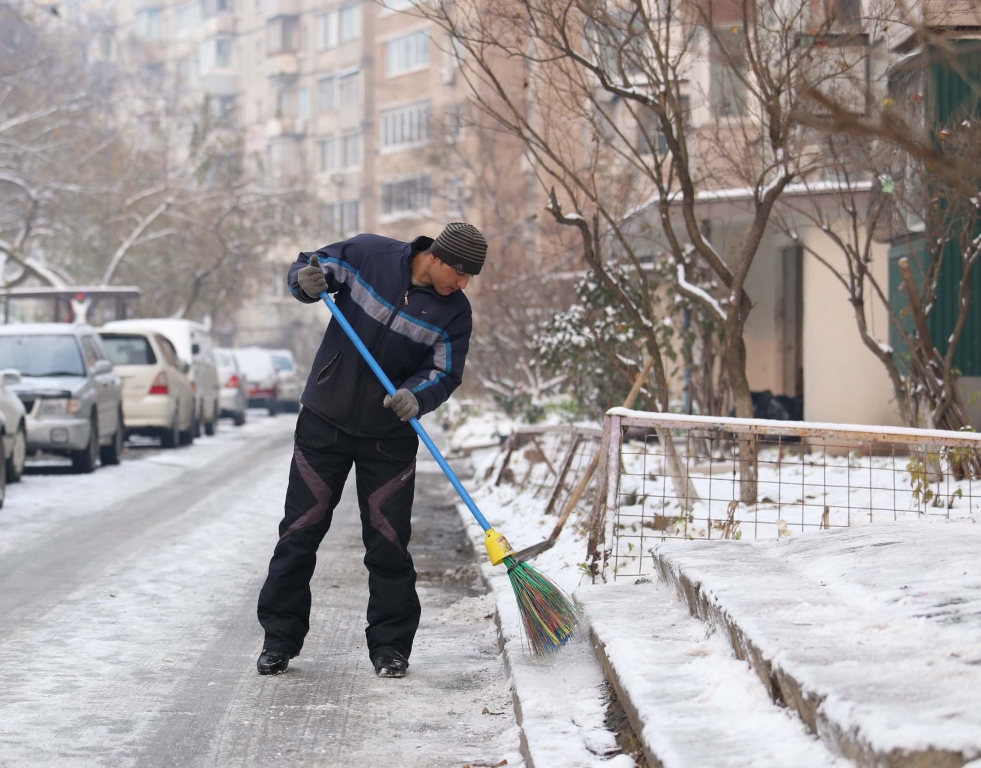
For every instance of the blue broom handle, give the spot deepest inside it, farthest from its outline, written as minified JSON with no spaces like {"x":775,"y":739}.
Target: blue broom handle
{"x":390,"y":388}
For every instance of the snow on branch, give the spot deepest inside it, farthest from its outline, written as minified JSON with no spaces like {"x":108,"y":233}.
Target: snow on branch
{"x":700,"y":294}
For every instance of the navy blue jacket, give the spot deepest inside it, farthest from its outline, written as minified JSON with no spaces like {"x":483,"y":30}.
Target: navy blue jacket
{"x":419,"y":338}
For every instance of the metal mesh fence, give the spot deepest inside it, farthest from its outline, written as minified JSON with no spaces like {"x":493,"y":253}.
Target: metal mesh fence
{"x":808,"y":477}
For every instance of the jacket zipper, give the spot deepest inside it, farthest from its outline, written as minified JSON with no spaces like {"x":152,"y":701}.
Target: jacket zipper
{"x":379,"y":345}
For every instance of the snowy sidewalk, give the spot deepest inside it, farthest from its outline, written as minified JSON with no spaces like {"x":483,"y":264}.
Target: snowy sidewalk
{"x":870,"y":634}
{"x":693,"y":704}
{"x":560,"y":703}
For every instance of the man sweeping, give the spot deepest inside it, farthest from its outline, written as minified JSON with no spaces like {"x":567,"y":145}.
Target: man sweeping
{"x":406,"y":302}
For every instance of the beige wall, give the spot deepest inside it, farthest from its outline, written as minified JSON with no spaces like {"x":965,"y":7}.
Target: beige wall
{"x":843,"y":381}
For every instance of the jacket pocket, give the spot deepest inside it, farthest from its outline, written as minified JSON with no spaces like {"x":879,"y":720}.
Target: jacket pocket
{"x":328,"y":370}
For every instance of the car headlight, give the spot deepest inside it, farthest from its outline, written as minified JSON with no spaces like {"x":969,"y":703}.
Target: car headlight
{"x":58,"y":406}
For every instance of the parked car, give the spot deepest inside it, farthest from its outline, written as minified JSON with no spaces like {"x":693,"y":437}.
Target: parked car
{"x":157,"y":396}
{"x":3,"y":464}
{"x":261,"y":378}
{"x":291,"y":380}
{"x":194,"y":346}
{"x":15,"y":438}
{"x":72,"y":395}
{"x":233,"y":401}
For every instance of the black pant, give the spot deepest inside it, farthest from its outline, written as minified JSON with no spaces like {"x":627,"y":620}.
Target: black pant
{"x":385,"y":470}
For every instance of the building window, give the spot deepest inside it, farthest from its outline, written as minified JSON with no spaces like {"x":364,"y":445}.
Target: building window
{"x":406,"y":196}
{"x":303,"y":111}
{"x":148,"y":24}
{"x":341,"y":219}
{"x":189,"y":17}
{"x":326,"y":30}
{"x":349,"y":22}
{"x":223,"y":53}
{"x":392,"y":6}
{"x":327,"y":94}
{"x":216,"y":54}
{"x":284,"y":33}
{"x":454,"y":122}
{"x":285,"y":103}
{"x":274,"y":159}
{"x":727,"y":68}
{"x":405,"y":126}
{"x":258,"y":52}
{"x":649,"y":136}
{"x":213,"y":7}
{"x":349,"y":152}
{"x":455,"y":197}
{"x":326,"y":154}
{"x":407,"y":53}
{"x":349,"y":89}
{"x":223,"y":109}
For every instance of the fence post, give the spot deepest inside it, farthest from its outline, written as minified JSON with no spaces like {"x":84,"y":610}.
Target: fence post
{"x":613,"y":428}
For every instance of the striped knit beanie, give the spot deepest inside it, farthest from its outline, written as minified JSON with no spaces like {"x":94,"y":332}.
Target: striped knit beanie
{"x":461,"y":246}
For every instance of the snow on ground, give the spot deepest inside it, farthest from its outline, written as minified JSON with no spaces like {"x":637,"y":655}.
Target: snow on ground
{"x":800,"y":493}
{"x":108,"y":657}
{"x":562,"y":700}
{"x":700,"y":706}
{"x":49,"y":495}
{"x":143,"y":651}
{"x":878,"y":626}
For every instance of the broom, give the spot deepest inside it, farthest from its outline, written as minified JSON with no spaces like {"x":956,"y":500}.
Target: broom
{"x":548,"y":614}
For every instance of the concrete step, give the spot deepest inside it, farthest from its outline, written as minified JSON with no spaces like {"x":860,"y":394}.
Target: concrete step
{"x":870,"y":634}
{"x":690,"y":701}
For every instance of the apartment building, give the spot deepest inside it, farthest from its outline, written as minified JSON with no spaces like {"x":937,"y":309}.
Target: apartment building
{"x":358,"y":104}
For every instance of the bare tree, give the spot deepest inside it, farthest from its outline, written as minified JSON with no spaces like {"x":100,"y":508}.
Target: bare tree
{"x":103,"y":179}
{"x":631,"y":109}
{"x":907,"y":175}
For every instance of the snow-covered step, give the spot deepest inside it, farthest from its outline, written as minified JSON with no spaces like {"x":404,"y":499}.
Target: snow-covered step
{"x":872,"y":634}
{"x":691,"y":702}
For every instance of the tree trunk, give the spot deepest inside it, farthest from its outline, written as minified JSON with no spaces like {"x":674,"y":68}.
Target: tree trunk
{"x":739,"y":384}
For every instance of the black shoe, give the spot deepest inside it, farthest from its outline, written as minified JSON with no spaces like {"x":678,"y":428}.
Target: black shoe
{"x":391,"y":665}
{"x":272,"y":662}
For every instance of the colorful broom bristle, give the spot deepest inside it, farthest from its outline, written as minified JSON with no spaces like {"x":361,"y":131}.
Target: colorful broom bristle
{"x":549,"y":615}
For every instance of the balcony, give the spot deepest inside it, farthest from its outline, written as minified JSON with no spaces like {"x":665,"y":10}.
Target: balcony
{"x":219,"y":83}
{"x":282,"y":65}
{"x":219,"y":24}
{"x":286,"y":127}
{"x":274,"y":8}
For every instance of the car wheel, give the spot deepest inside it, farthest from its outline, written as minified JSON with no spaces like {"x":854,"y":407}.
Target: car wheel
{"x":239,"y":418}
{"x":212,"y":426}
{"x":196,"y":424}
{"x":187,"y":437}
{"x":171,"y":436}
{"x":112,"y":454}
{"x":86,"y":460}
{"x":273,"y":407}
{"x":18,"y":457}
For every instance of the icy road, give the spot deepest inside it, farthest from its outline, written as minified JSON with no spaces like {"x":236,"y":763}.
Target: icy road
{"x":129,"y":634}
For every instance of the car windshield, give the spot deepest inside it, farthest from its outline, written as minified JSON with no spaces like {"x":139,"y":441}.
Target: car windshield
{"x":129,"y":350}
{"x":282,"y":363}
{"x":42,"y":355}
{"x":224,"y":360}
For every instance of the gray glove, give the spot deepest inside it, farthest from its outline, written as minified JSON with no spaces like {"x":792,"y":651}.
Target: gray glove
{"x":311,"y":279}
{"x":404,"y":404}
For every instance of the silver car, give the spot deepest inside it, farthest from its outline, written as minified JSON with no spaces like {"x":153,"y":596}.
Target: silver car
{"x":72,"y":395}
